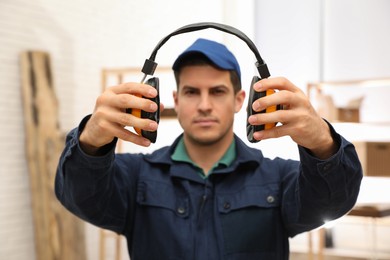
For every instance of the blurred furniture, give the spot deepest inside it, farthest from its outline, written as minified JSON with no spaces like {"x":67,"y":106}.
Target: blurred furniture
{"x":372,"y":211}
{"x":105,"y":235}
{"x":351,"y":100}
{"x":376,"y":165}
{"x":374,"y":157}
{"x":373,"y":150}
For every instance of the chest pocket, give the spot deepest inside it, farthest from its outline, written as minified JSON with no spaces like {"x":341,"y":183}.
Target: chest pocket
{"x":162,"y":196}
{"x":161,"y":220}
{"x":249,"y":219}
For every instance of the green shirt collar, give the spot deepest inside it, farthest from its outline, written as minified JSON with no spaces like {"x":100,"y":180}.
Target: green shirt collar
{"x":180,"y":155}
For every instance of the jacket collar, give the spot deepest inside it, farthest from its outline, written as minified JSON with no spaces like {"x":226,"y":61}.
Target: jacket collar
{"x":245,"y":154}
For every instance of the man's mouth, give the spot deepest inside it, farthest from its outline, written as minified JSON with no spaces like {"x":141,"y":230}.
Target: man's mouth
{"x":205,"y":122}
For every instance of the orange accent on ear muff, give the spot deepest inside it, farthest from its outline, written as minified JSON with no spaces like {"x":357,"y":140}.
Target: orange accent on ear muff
{"x":270,"y":109}
{"x":137,"y":113}
{"x":155,"y":116}
{"x":254,"y":95}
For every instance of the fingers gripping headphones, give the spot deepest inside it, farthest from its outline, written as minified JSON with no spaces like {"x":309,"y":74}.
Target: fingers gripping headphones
{"x":150,"y":66}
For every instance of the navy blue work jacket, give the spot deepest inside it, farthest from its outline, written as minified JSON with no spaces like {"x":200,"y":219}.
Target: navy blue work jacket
{"x":245,"y":211}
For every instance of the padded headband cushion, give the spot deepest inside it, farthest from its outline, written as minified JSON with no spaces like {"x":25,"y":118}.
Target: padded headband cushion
{"x":216,"y":52}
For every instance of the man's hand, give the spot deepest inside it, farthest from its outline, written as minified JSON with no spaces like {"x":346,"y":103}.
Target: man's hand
{"x":298,"y":118}
{"x":109,"y":118}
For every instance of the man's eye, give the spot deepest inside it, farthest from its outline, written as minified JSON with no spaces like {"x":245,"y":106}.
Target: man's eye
{"x":218,"y":91}
{"x":189,"y":92}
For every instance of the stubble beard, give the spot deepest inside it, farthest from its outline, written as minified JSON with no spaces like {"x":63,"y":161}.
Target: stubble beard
{"x":208,"y":141}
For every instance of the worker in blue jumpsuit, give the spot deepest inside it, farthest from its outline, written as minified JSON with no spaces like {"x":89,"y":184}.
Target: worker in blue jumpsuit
{"x":208,"y":195}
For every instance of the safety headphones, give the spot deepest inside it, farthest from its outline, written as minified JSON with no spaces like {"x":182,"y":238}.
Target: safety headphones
{"x":150,"y":66}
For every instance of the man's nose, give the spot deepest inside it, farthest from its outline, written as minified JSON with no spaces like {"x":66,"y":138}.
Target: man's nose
{"x":205,"y":102}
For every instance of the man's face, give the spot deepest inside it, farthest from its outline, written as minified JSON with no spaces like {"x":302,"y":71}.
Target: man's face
{"x":205,"y":104}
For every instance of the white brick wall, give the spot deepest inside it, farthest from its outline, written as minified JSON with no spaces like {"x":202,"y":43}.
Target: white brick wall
{"x":82,"y":37}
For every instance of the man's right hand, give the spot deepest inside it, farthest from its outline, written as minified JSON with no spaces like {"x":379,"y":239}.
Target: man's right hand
{"x":109,"y":118}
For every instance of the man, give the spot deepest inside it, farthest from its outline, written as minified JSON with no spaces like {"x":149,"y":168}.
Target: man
{"x":208,"y":195}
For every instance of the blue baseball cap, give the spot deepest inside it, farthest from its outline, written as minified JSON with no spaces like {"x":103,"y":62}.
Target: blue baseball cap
{"x":216,"y":52}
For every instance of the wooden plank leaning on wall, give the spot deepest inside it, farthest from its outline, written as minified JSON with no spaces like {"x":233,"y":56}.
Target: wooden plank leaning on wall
{"x":59,"y":235}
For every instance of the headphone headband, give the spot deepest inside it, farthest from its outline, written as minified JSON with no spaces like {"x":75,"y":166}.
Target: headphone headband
{"x":150,"y":64}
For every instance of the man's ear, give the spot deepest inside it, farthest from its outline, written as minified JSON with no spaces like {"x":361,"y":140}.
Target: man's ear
{"x":240,"y":98}
{"x":175,"y":99}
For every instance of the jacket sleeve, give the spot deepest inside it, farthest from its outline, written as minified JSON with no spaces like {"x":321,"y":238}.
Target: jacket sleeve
{"x":325,"y":189}
{"x":92,"y":187}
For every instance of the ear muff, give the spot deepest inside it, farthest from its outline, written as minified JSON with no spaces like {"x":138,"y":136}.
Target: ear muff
{"x":150,"y":66}
{"x":253,"y":96}
{"x":155,"y":116}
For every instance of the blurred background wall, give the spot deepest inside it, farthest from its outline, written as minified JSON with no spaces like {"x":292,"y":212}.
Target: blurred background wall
{"x":304,"y":40}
